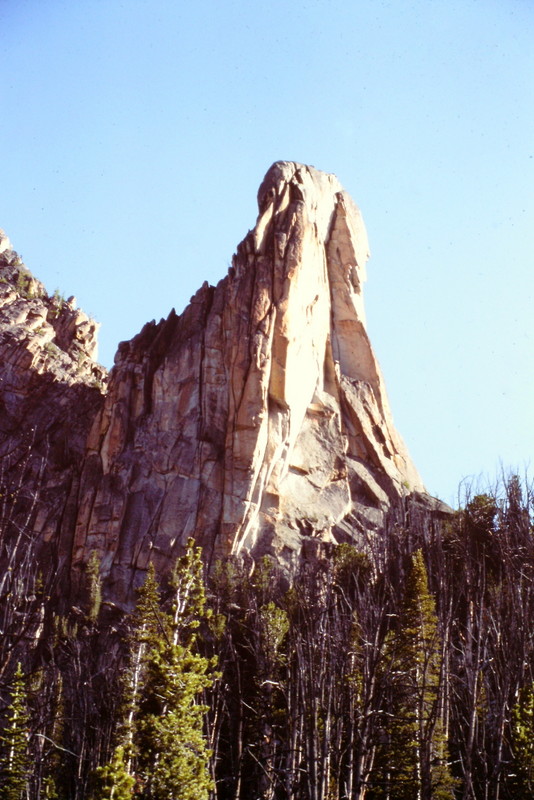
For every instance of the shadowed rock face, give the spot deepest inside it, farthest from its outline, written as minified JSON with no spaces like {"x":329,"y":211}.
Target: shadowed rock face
{"x":257,"y":420}
{"x":50,"y":391}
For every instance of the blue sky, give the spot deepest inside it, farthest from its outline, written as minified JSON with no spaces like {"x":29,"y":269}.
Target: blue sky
{"x":135,"y":134}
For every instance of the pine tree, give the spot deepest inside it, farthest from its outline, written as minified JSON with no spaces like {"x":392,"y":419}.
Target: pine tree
{"x":145,"y":628}
{"x":523,"y":744}
{"x":272,"y":625}
{"x":15,"y":761}
{"x":414,"y":765}
{"x":171,"y":752}
{"x":113,"y":782}
{"x":173,"y":756}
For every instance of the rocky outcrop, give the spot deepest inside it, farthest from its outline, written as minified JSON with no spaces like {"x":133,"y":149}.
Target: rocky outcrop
{"x":50,"y":390}
{"x":256,"y":421}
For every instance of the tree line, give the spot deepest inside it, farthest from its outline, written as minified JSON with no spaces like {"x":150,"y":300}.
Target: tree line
{"x":402,"y":669}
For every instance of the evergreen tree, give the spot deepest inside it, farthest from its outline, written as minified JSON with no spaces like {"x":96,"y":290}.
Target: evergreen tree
{"x":15,"y":761}
{"x":523,"y":744}
{"x":113,"y":782}
{"x":171,"y":751}
{"x":414,"y":765}
{"x":173,"y":756}
{"x":272,"y":625}
{"x":145,"y":628}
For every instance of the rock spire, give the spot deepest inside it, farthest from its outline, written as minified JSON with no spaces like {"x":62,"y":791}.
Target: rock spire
{"x":256,"y":421}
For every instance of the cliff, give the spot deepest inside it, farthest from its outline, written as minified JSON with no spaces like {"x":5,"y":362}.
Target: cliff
{"x":50,"y":390}
{"x":256,"y":421}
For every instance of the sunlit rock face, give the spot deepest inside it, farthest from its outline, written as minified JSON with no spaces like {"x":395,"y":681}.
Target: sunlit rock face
{"x":256,"y":421}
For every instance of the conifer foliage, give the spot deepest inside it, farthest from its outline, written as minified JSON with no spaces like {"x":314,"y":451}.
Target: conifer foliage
{"x":114,"y":781}
{"x":402,"y":669}
{"x":523,"y":743}
{"x":15,"y":765}
{"x":163,"y":738}
{"x":169,"y":741}
{"x":415,"y":753}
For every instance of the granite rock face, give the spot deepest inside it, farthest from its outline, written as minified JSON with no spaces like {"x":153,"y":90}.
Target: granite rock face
{"x":257,"y":421}
{"x":50,"y":390}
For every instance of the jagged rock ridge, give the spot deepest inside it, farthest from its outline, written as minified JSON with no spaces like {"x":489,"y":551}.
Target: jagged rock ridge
{"x":257,"y":420}
{"x":50,"y":390}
